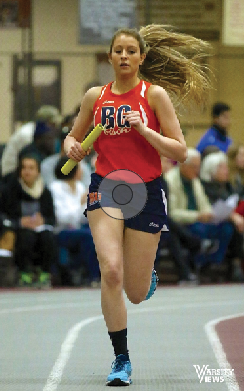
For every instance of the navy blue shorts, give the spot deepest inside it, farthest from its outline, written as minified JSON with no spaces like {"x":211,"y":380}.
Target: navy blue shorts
{"x":152,"y":218}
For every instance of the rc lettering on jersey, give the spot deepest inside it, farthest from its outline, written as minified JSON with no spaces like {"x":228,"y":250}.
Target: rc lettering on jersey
{"x":112,"y":118}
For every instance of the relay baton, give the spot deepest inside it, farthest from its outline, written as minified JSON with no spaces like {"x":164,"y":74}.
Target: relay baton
{"x":89,"y":140}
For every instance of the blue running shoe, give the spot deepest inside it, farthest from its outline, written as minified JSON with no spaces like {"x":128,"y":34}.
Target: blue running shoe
{"x":153,"y":286}
{"x":121,"y":372}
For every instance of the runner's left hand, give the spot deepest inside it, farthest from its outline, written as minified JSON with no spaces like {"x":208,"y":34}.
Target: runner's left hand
{"x":134,"y":119}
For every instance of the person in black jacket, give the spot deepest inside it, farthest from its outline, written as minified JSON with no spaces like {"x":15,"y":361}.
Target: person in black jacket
{"x":29,"y":204}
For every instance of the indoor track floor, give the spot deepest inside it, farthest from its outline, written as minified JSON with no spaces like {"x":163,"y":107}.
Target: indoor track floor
{"x":57,"y":340}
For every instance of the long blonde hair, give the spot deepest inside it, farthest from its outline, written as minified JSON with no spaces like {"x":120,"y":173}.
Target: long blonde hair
{"x":173,"y":61}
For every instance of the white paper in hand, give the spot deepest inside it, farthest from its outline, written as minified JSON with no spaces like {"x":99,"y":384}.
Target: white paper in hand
{"x":222,"y":209}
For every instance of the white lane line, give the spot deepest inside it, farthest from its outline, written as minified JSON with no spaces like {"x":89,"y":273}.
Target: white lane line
{"x":66,"y":348}
{"x":44,"y":307}
{"x":47,"y":307}
{"x":56,"y":374}
{"x":37,"y":299}
{"x":219,"y":352}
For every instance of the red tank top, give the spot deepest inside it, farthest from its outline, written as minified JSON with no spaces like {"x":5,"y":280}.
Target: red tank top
{"x":120,"y":146}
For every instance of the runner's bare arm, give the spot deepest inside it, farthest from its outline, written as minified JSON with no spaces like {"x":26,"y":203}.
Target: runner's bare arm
{"x":84,"y":119}
{"x":171,"y":143}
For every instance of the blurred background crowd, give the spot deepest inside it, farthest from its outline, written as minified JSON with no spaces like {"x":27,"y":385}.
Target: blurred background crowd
{"x":45,"y":239}
{"x":44,"y":235}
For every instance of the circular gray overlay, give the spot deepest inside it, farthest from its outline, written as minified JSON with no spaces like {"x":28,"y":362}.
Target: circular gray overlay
{"x":123,"y":194}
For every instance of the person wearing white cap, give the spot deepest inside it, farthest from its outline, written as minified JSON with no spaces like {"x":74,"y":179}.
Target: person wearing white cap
{"x":24,"y":136}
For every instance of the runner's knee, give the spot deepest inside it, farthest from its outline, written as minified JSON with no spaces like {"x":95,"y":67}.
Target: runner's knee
{"x":112,"y":275}
{"x":136,"y":296}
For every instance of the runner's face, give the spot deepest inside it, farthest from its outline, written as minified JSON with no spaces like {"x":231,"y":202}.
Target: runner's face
{"x":126,"y":56}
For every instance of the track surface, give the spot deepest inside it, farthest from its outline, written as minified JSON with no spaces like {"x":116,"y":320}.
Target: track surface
{"x":57,"y":340}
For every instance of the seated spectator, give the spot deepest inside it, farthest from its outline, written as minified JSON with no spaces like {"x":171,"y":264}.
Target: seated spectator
{"x":49,"y":163}
{"x":74,"y":235}
{"x":185,"y":246}
{"x":209,"y":149}
{"x":236,"y":168}
{"x":215,"y":178}
{"x":43,"y":143}
{"x":182,"y":244}
{"x":217,"y":134}
{"x":190,"y":207}
{"x":24,"y":136}
{"x":7,"y":242}
{"x":29,"y":205}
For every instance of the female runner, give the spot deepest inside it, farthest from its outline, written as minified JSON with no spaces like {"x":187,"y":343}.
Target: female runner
{"x":140,"y":126}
